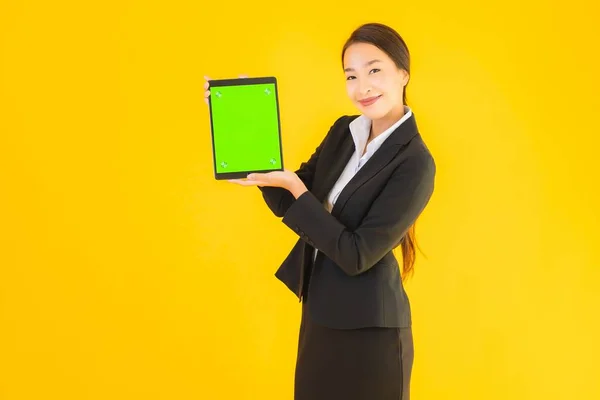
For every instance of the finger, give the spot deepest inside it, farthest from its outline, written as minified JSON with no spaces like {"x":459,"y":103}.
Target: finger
{"x":207,"y":83}
{"x":258,"y":177}
{"x":246,"y":182}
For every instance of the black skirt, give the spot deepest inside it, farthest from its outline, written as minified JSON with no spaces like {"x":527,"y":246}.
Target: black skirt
{"x":354,"y":364}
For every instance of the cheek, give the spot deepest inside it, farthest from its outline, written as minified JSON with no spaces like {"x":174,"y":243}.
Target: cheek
{"x":379,"y":80}
{"x":391,"y":87}
{"x":350,"y":88}
{"x":382,"y":84}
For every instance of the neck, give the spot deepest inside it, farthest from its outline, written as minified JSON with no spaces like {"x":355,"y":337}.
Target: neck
{"x":380,"y":125}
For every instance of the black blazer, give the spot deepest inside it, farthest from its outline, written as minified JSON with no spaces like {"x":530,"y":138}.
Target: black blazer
{"x":355,"y":280}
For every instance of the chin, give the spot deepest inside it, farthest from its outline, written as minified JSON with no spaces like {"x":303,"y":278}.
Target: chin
{"x":374,"y":113}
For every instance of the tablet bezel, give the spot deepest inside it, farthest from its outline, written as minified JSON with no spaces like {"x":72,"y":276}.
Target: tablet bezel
{"x":240,"y":82}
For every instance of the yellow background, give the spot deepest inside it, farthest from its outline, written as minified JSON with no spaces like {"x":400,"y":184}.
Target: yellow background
{"x":127,"y":272}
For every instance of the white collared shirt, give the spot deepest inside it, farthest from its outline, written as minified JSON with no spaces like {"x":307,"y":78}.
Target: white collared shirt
{"x":360,"y":129}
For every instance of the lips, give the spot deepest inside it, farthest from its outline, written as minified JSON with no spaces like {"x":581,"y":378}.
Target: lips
{"x":368,"y":101}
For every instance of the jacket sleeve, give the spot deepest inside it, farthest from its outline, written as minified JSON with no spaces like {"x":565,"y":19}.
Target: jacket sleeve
{"x":279,"y":199}
{"x":396,"y":208}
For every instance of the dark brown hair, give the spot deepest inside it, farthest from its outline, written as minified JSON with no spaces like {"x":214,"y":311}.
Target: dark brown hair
{"x":391,"y":43}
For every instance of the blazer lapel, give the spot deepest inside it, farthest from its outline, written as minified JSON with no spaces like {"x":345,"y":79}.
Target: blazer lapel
{"x":338,"y":163}
{"x":382,"y":157}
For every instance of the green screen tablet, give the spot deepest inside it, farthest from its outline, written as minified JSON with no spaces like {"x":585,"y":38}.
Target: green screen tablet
{"x":245,"y":126}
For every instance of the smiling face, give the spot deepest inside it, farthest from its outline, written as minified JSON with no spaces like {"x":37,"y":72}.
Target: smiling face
{"x":374,"y":82}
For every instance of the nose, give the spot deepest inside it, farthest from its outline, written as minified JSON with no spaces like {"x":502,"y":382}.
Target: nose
{"x":364,"y":88}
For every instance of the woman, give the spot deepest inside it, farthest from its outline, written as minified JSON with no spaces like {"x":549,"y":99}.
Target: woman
{"x":354,"y":201}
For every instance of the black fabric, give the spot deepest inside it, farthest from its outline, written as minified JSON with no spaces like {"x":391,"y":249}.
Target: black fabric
{"x":355,"y":281}
{"x":352,"y":364}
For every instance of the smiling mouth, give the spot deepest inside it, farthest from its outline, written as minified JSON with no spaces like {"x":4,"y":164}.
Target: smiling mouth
{"x":369,"y":101}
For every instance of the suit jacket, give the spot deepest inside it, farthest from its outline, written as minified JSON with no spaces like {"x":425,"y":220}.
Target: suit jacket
{"x":355,"y":280}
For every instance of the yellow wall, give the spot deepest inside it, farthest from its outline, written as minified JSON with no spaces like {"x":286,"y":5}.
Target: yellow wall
{"x":127,"y":272}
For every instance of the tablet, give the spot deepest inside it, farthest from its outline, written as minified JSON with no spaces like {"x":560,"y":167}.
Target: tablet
{"x":245,"y":126}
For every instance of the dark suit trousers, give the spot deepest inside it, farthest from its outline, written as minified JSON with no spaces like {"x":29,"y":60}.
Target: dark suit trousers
{"x":352,"y":364}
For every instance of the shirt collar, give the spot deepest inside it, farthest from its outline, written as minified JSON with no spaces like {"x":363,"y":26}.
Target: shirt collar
{"x":360,"y":129}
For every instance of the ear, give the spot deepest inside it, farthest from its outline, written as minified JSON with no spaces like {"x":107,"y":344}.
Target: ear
{"x":405,"y":77}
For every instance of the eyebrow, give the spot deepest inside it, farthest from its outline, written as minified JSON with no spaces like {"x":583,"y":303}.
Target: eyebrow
{"x":366,"y":65}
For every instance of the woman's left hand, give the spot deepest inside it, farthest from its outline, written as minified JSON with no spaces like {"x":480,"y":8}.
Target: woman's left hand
{"x":284,"y":179}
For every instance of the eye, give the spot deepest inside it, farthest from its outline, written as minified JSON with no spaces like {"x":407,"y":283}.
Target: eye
{"x":374,"y":70}
{"x":350,"y":77}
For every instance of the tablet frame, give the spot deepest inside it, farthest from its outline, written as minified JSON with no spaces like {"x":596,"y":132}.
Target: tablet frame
{"x":240,"y":82}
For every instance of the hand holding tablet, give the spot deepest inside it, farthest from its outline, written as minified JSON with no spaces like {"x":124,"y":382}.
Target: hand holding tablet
{"x":245,"y":126}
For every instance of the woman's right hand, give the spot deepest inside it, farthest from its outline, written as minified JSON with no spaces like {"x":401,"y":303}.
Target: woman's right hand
{"x":207,"y":86}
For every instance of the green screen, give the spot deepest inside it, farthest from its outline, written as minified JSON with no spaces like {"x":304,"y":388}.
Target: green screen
{"x":245,"y":128}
